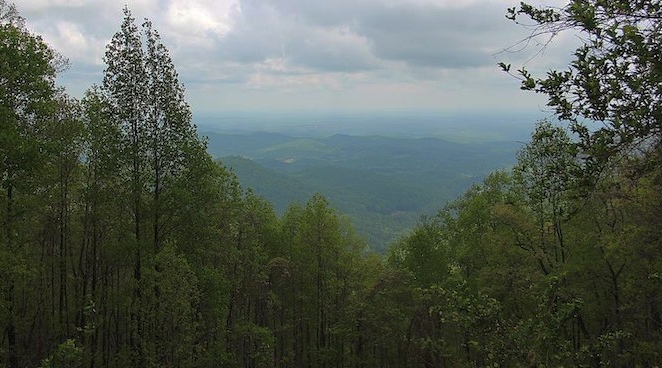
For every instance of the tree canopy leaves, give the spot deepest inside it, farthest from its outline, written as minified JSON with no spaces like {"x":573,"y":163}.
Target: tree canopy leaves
{"x":614,"y":78}
{"x":124,"y":244}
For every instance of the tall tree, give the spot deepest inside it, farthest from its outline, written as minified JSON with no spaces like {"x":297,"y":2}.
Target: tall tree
{"x":172,"y":138}
{"x":103,"y":224}
{"x":126,"y":85}
{"x":545,"y":176}
{"x":28,"y":68}
{"x":614,"y":80}
{"x":158,"y":147}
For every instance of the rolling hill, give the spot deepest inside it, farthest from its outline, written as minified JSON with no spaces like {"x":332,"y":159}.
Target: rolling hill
{"x":383,"y":184}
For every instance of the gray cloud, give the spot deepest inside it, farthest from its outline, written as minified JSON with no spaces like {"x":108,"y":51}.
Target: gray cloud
{"x":430,"y":36}
{"x":265,"y":32}
{"x":398,"y":50}
{"x":418,"y":35}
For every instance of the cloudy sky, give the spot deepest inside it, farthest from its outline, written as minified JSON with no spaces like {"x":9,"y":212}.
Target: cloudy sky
{"x":314,"y":54}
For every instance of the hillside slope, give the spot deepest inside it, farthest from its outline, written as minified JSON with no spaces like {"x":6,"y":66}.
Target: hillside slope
{"x":383,"y":184}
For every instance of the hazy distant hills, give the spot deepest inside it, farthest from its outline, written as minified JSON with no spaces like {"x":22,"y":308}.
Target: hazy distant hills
{"x":384,"y":184}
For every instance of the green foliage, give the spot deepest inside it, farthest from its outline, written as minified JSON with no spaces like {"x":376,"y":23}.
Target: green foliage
{"x":28,"y":106}
{"x":592,"y":307}
{"x":169,"y":304}
{"x":313,"y":276}
{"x":555,"y":275}
{"x":383,"y":184}
{"x":67,"y":355}
{"x":125,"y":244}
{"x":424,"y":253}
{"x":613,"y":79}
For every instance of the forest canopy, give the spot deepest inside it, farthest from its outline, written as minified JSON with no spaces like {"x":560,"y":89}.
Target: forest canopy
{"x":124,"y":244}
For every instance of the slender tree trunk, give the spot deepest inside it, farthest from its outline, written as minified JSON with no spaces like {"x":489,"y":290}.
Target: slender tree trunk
{"x":10,"y":329}
{"x":62,"y":256}
{"x":106,"y":323}
{"x":136,"y":319}
{"x":94,"y":340}
{"x":157,"y":189}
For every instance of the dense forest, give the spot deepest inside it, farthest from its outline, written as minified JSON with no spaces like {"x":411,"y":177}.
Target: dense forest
{"x":124,"y":244}
{"x":381,"y":184}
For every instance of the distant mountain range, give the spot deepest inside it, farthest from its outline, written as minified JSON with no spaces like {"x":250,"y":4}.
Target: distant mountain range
{"x":383,"y":184}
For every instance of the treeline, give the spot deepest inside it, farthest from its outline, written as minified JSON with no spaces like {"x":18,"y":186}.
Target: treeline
{"x":124,"y":244}
{"x":557,"y":262}
{"x":525,"y":270}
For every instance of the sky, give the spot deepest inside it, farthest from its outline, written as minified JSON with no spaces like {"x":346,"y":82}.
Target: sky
{"x":316,"y":55}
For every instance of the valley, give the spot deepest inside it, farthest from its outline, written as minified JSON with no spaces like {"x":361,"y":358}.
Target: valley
{"x":383,"y":184}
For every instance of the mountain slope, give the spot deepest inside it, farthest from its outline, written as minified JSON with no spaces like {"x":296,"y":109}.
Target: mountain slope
{"x":383,"y":184}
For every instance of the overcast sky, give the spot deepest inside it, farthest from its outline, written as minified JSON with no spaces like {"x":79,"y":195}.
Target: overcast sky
{"x":313,"y":54}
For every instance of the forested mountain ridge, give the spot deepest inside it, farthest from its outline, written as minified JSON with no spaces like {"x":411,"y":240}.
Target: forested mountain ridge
{"x":124,"y":243}
{"x":383,"y":184}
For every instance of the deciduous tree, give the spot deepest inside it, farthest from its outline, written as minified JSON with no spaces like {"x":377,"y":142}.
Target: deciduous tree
{"x":614,"y":78}
{"x":28,"y":68}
